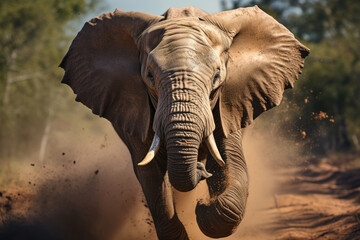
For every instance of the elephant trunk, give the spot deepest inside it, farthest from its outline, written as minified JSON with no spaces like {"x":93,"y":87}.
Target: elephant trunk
{"x":220,"y":217}
{"x":183,"y":119}
{"x":183,"y":137}
{"x":182,"y":149}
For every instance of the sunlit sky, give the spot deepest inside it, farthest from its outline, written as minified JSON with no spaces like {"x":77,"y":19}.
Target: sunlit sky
{"x":158,"y":7}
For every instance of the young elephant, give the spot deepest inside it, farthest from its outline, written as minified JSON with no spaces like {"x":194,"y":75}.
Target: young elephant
{"x":184,"y":85}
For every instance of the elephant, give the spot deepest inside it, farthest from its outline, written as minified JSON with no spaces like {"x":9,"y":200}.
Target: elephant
{"x":179,"y":90}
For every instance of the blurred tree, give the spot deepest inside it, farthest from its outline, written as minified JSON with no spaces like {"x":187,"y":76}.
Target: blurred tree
{"x":324,"y":107}
{"x":33,"y":37}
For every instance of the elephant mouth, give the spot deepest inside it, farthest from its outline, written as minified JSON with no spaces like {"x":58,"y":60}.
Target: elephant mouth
{"x":209,"y":141}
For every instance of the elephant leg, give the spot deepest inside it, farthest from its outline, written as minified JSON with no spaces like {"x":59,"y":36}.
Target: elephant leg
{"x":158,"y":194}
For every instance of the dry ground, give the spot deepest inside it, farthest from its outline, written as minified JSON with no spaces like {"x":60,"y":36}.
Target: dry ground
{"x":90,"y":192}
{"x":318,"y":199}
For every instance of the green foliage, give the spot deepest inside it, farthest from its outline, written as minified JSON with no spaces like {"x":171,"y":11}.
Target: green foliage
{"x":33,"y":39}
{"x":323,"y":109}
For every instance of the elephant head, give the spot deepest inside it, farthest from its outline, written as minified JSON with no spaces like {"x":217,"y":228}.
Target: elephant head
{"x":167,"y":76}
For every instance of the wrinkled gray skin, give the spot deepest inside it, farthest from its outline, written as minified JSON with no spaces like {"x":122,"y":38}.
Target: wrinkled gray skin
{"x":185,"y":68}
{"x":179,"y":86}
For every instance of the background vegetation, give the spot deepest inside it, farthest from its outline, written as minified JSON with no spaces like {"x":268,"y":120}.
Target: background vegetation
{"x":34,"y":36}
{"x":322,"y":111}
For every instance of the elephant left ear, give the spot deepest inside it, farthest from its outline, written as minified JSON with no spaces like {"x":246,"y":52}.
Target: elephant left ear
{"x":264,"y":59}
{"x":102,"y":67}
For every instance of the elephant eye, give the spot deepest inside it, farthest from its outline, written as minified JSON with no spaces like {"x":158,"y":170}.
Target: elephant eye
{"x":216,"y":77}
{"x":150,"y":76}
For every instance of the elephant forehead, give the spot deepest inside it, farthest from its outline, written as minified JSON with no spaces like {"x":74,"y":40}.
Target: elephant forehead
{"x":184,"y":53}
{"x":184,"y":12}
{"x":170,"y":31}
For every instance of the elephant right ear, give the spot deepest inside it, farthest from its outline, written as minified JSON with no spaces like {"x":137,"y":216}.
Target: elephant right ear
{"x":102,"y":67}
{"x":264,"y":59}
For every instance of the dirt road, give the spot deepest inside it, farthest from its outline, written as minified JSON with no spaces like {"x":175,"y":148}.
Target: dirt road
{"x":318,"y":199}
{"x":320,"y":202}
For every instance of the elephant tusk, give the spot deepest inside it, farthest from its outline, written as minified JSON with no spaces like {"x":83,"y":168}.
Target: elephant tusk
{"x":155,"y":145}
{"x":211,"y":144}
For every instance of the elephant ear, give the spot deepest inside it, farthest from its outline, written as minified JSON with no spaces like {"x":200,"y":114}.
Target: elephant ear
{"x":102,"y":67}
{"x":264,"y":59}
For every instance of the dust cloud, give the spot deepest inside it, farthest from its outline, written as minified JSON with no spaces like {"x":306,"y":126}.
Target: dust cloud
{"x":86,"y":189}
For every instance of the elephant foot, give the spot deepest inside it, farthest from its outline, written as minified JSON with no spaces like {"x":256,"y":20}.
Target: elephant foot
{"x":175,"y":230}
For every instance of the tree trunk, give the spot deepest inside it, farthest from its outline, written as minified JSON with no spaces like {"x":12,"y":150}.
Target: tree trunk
{"x":45,"y":137}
